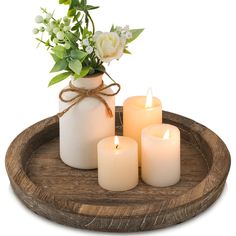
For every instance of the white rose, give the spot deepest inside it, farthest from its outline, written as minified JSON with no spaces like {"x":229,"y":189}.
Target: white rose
{"x":108,"y":46}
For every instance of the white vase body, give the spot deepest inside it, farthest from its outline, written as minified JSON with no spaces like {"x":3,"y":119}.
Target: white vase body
{"x":84,"y":125}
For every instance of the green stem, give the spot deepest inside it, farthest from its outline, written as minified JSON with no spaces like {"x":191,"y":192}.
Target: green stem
{"x":41,"y":41}
{"x":109,"y":76}
{"x":90,"y":18}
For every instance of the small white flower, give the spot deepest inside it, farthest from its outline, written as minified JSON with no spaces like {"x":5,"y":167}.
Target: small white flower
{"x":66,"y":28}
{"x":56,"y":30}
{"x":128,"y":35}
{"x":60,"y":35}
{"x":123,"y":39}
{"x":39,"y":19}
{"x":126,"y":28}
{"x":89,"y":49}
{"x":35,"y":31}
{"x":85,"y":42}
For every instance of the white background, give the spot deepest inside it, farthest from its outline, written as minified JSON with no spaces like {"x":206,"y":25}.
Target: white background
{"x":187,"y":54}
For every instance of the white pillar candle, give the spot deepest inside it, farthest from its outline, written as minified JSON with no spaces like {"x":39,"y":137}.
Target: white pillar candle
{"x":139,"y":112}
{"x":161,"y":155}
{"x":117,"y":163}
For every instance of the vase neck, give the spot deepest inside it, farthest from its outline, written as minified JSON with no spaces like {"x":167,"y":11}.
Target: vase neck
{"x":89,"y":82}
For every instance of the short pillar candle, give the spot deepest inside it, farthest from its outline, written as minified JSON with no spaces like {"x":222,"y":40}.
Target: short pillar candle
{"x":117,"y":163}
{"x":160,"y":155}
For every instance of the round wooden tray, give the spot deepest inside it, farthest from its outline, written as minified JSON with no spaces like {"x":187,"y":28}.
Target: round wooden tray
{"x":73,"y":197}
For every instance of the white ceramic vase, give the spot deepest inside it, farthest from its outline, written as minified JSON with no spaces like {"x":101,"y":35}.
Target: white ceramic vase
{"x":84,"y":125}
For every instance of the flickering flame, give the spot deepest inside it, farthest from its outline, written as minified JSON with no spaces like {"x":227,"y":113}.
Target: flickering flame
{"x":116,"y":142}
{"x":149,"y":99}
{"x":166,"y":135}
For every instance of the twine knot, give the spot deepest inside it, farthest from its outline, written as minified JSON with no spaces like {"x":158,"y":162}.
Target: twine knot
{"x":81,"y":94}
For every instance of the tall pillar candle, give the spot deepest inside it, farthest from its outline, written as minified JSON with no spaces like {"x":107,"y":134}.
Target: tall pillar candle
{"x":117,"y":163}
{"x":139,"y":112}
{"x":161,"y":155}
{"x":84,"y":125}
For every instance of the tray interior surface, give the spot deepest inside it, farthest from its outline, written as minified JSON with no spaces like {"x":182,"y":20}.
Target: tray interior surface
{"x":46,"y":169}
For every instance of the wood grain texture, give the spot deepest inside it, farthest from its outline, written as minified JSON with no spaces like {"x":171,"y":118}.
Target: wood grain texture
{"x":73,"y":197}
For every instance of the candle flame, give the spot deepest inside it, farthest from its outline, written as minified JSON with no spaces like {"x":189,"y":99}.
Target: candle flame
{"x":149,"y":99}
{"x":116,"y":142}
{"x":166,"y":135}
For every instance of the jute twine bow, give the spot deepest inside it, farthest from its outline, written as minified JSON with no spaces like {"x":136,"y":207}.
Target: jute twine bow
{"x":83,"y":93}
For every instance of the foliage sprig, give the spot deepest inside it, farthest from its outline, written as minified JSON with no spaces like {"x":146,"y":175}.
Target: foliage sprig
{"x":74,"y":44}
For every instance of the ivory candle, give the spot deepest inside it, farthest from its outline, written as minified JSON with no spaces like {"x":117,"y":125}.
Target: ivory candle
{"x":117,"y":163}
{"x":161,"y":155}
{"x":139,"y":112}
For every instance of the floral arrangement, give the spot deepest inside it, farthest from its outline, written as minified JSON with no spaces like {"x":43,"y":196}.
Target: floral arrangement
{"x":74,"y":44}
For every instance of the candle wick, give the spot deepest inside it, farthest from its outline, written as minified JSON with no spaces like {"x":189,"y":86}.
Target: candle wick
{"x":117,"y":146}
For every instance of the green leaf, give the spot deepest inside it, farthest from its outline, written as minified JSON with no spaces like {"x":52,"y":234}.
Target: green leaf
{"x":135,"y":34}
{"x":66,"y":2}
{"x":59,"y":51}
{"x":72,"y":37}
{"x":83,"y":2}
{"x":83,"y":73}
{"x":126,"y":51}
{"x":59,"y":78}
{"x":89,"y":7}
{"x":59,"y":65}
{"x":112,"y":28}
{"x":77,"y":54}
{"x":55,"y":58}
{"x":71,"y":12}
{"x":86,"y":33}
{"x":75,"y":66}
{"x":76,"y":26}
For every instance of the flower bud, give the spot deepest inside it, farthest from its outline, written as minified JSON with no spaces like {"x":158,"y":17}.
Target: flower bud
{"x":60,"y":35}
{"x":39,"y":19}
{"x":35,"y":31}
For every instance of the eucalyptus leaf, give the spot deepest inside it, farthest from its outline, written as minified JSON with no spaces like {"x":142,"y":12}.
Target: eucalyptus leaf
{"x":77,"y":54}
{"x":55,"y":58}
{"x":75,"y":66}
{"x":83,"y":73}
{"x":135,"y":34}
{"x":72,"y":37}
{"x":59,"y":51}
{"x":59,"y":65}
{"x":59,"y":78}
